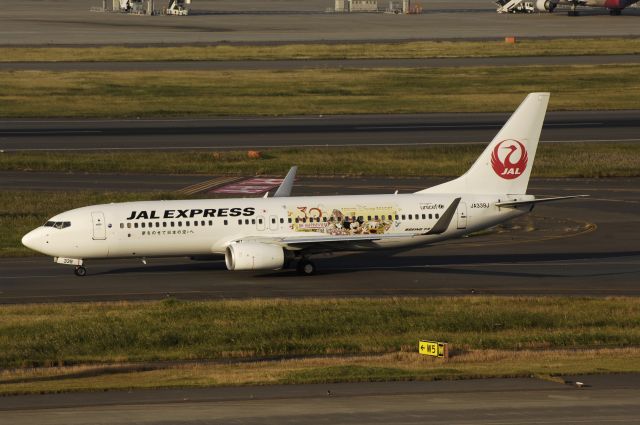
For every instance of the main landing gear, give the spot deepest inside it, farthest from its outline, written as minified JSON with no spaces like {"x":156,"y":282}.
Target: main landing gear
{"x":80,"y":271}
{"x":305,"y":267}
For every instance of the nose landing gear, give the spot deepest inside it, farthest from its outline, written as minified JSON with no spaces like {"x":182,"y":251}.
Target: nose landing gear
{"x":80,"y":271}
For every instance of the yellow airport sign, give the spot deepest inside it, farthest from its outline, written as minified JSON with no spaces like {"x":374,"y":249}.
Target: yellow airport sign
{"x":433,"y":348}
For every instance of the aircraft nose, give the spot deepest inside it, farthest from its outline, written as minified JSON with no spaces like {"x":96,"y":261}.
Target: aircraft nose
{"x":31,"y":240}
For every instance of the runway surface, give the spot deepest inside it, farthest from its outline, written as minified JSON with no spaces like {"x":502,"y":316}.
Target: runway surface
{"x":604,"y":400}
{"x":34,"y":22}
{"x":576,"y":247}
{"x":315,"y":64}
{"x":339,"y":130}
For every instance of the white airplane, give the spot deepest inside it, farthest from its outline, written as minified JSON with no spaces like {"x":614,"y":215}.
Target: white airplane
{"x":270,"y":233}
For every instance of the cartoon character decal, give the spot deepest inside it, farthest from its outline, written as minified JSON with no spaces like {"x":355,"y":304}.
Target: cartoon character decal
{"x":343,"y":221}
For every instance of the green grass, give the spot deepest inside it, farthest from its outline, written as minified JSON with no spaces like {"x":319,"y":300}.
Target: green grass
{"x":415,"y":49}
{"x":298,"y":92}
{"x":396,"y":366}
{"x":89,"y":333}
{"x":552,"y":160}
{"x":162,"y":344}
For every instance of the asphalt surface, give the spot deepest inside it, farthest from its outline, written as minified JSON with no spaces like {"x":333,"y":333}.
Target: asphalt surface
{"x":340,"y":130}
{"x":38,"y":22}
{"x":576,"y":247}
{"x":603,"y":400}
{"x":315,"y":64}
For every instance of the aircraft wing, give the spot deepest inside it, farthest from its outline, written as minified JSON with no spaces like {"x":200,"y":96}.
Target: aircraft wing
{"x":536,"y":201}
{"x":342,"y":242}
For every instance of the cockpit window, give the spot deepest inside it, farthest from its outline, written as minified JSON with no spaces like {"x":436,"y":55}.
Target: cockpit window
{"x":58,"y":224}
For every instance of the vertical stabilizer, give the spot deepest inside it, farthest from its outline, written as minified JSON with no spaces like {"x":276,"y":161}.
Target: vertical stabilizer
{"x":505,"y":165}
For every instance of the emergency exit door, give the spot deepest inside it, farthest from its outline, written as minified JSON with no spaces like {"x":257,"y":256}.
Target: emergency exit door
{"x":99,"y":228}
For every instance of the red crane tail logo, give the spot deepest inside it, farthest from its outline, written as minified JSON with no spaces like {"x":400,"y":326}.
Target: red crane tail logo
{"x":509,"y":159}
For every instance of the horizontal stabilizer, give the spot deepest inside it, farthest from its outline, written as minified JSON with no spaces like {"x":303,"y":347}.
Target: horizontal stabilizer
{"x":537,"y":201}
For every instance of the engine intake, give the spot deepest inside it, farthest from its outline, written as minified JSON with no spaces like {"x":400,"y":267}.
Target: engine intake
{"x":546,"y":5}
{"x":254,"y":256}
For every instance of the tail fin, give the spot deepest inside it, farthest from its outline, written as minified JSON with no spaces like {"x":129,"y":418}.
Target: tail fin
{"x":505,"y":165}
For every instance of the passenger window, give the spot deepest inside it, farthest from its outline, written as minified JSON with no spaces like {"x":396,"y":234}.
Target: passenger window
{"x":211,"y":222}
{"x":410,"y":217}
{"x":173,"y":224}
{"x":397,"y":217}
{"x":430,"y":216}
{"x":437,"y":215}
{"x":240,"y":221}
{"x":259,"y":221}
{"x":403,"y":216}
{"x":253,"y":221}
{"x":282,"y":221}
{"x":246,"y":221}
{"x":164,"y":224}
{"x":289,"y":220}
{"x":179,"y":224}
{"x":226,"y":222}
{"x":195,"y":223}
{"x":122,"y":225}
{"x":202,"y":223}
{"x":186,"y":223}
{"x":128,"y":225}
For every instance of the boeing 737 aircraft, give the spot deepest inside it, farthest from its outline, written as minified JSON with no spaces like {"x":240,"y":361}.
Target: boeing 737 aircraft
{"x":271,"y":233}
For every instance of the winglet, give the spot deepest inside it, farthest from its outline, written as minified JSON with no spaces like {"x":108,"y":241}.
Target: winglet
{"x":443,"y":224}
{"x":287,"y":184}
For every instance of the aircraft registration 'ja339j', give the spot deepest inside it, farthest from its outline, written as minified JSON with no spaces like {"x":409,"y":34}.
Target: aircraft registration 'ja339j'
{"x":271,"y":233}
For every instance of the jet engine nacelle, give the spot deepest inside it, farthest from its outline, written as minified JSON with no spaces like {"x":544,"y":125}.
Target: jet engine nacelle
{"x":254,"y":256}
{"x":546,"y":5}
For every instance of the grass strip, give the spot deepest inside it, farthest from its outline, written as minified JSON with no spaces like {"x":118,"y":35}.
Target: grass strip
{"x":311,"y":91}
{"x":171,"y":330}
{"x":401,"y":50}
{"x":398,"y":366}
{"x":552,"y":160}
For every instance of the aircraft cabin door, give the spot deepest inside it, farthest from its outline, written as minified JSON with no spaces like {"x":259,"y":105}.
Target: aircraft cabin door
{"x":273,"y":223}
{"x":99,"y":228}
{"x":462,"y":215}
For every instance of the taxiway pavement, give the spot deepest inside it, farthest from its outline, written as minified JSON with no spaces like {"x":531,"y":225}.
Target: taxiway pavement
{"x":35,"y":22}
{"x":338,"y":130}
{"x":603,"y":400}
{"x":317,"y":64}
